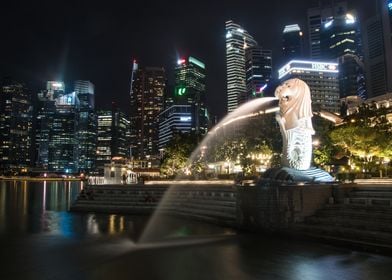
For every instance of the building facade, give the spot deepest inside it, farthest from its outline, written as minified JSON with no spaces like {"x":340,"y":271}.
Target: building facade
{"x":112,"y":136}
{"x":190,"y":89}
{"x":292,"y":42}
{"x":15,"y":127}
{"x":378,"y":50}
{"x":341,"y":40}
{"x":316,"y":17}
{"x":237,"y":41}
{"x":322,"y":79}
{"x":258,"y":68}
{"x":87,"y":125}
{"x":147,"y":101}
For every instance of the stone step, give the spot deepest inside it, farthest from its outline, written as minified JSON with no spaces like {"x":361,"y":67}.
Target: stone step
{"x":355,"y":235}
{"x":349,"y":222}
{"x":372,"y":194}
{"x":348,"y":213}
{"x":352,"y":208}
{"x":223,"y":209}
{"x":200,"y":212}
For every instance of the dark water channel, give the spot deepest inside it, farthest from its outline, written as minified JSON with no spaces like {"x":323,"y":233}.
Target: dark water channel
{"x":40,"y":239}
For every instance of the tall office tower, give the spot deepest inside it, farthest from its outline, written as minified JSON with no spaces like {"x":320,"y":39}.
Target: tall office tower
{"x":322,"y":79}
{"x":237,"y":40}
{"x":63,"y":145}
{"x":190,"y":89}
{"x":318,"y":16}
{"x":258,"y":67}
{"x":44,"y":111}
{"x":147,"y":101}
{"x":112,"y":136}
{"x":340,"y":39}
{"x":15,"y":126}
{"x":292,"y":42}
{"x":87,"y":125}
{"x":175,"y":119}
{"x":378,"y":50}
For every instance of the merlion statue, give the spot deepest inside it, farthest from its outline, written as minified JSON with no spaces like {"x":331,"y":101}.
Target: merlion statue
{"x":295,"y":121}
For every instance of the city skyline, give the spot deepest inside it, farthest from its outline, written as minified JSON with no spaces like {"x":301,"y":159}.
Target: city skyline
{"x":99,"y":45}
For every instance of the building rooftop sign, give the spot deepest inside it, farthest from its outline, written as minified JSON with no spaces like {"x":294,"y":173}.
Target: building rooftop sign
{"x":308,"y":65}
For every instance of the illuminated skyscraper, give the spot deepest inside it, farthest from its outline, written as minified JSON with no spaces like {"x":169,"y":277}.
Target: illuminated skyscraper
{"x":63,"y":141}
{"x":15,"y":127}
{"x":378,"y":50}
{"x":341,"y":40}
{"x":112,"y":136}
{"x":258,"y":67}
{"x":237,"y":41}
{"x":292,"y":42}
{"x":190,"y":89}
{"x":45,"y":109}
{"x":86,"y":125}
{"x":187,"y":111}
{"x":318,"y":16}
{"x":322,"y":79}
{"x":147,"y":101}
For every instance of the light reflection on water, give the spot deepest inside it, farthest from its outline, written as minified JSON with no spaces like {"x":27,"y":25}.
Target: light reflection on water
{"x":40,"y":239}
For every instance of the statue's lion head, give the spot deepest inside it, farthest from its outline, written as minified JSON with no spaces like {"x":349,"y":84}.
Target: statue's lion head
{"x":294,"y":102}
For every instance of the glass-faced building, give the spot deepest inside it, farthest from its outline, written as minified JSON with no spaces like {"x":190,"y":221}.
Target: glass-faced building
{"x":258,"y":68}
{"x":237,"y":41}
{"x":341,"y":40}
{"x":322,"y":79}
{"x":190,"y":89}
{"x":292,"y":42}
{"x":86,"y":125}
{"x":147,"y":101}
{"x":15,"y":127}
{"x":112,"y":136}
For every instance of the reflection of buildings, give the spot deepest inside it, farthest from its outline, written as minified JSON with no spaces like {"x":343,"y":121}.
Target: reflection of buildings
{"x":147,"y":101}
{"x":378,"y":50}
{"x":322,"y":79}
{"x":237,"y":41}
{"x":112,"y":136}
{"x":15,"y":126}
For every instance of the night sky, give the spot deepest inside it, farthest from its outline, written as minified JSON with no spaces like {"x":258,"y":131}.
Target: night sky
{"x":91,"y":40}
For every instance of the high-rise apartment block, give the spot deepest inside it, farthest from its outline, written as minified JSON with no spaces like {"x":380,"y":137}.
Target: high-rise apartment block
{"x":237,"y":41}
{"x":147,"y":101}
{"x":15,"y":127}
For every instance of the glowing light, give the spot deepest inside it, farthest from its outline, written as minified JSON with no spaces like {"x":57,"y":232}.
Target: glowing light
{"x":229,"y":35}
{"x":314,"y":66}
{"x":181,"y":61}
{"x":181,"y":91}
{"x":196,"y":62}
{"x":240,"y":30}
{"x":185,"y":119}
{"x":328,"y":24}
{"x":291,"y":28}
{"x":350,"y":19}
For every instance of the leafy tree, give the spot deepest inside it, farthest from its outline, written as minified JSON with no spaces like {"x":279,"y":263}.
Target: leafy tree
{"x":177,"y":152}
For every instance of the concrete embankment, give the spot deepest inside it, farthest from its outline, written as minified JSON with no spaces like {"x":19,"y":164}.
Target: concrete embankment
{"x":348,"y":214}
{"x":212,"y":203}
